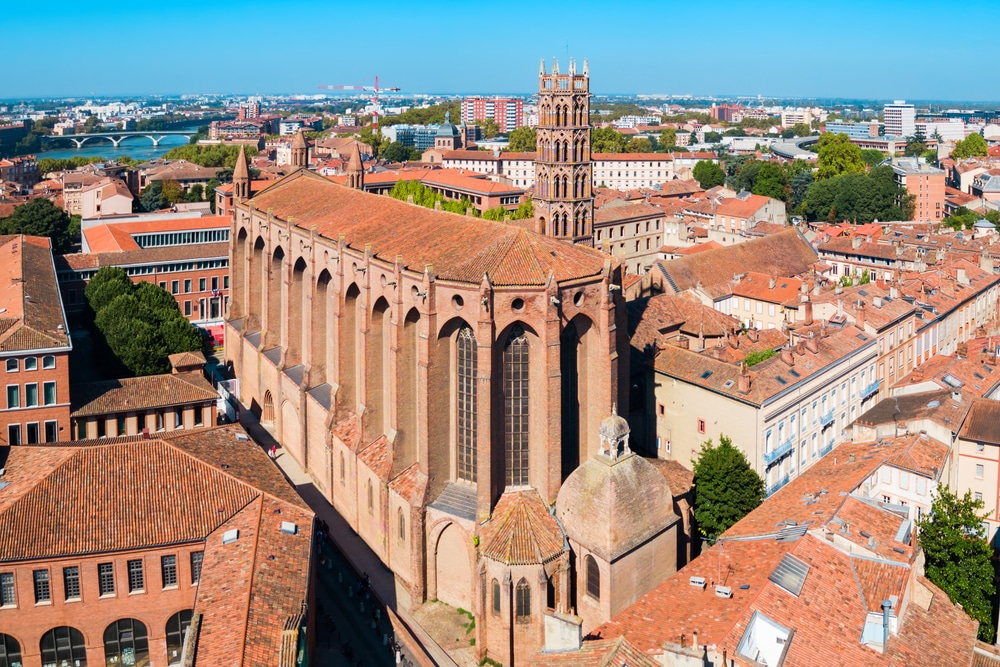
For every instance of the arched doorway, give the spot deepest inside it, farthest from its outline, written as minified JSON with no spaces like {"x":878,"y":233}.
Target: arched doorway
{"x":177,"y":626}
{"x":454,"y":572}
{"x":126,"y":643}
{"x":63,"y":646}
{"x":267,"y":413}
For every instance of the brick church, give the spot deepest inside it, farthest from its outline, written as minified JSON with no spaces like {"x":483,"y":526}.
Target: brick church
{"x":451,"y":384}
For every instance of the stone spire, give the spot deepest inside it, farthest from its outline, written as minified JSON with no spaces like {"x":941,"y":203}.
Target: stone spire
{"x":300,"y":150}
{"x":355,"y":169}
{"x":241,"y":177}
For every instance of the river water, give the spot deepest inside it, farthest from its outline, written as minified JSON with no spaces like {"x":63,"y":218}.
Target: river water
{"x":137,"y":148}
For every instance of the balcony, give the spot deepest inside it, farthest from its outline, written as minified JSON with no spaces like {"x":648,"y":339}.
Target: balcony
{"x":826,"y":420}
{"x":870,"y":389}
{"x":777,"y":485}
{"x":778,"y":453}
{"x":826,"y":450}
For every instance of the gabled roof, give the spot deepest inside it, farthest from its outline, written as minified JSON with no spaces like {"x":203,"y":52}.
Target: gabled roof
{"x":140,"y":393}
{"x":31,"y":310}
{"x":458,"y":247}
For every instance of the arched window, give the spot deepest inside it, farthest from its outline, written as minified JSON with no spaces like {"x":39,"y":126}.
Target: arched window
{"x":593,"y":577}
{"x":371,"y":497}
{"x":343,"y":469}
{"x":126,"y":643}
{"x":515,"y":385}
{"x":522,"y":602}
{"x":402,"y":524}
{"x":10,"y":652}
{"x":63,"y":645}
{"x":177,"y":626}
{"x":496,"y":597}
{"x":466,"y":381}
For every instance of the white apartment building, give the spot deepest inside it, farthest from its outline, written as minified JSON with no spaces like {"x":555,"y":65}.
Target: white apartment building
{"x":899,"y":119}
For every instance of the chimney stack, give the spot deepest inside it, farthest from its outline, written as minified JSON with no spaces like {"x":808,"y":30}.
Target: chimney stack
{"x":812,"y":344}
{"x":859,"y":318}
{"x":683,"y":342}
{"x":743,"y":384}
{"x":787,"y":356}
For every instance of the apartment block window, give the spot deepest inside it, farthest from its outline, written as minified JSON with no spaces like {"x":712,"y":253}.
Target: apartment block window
{"x":12,"y":365}
{"x":31,"y":364}
{"x":13,"y":434}
{"x":196,"y":559}
{"x":31,"y":430}
{"x":178,"y":417}
{"x":175,"y":286}
{"x":978,"y":496}
{"x":106,"y":578}
{"x":7,"y":598}
{"x":136,"y":580}
{"x":13,"y":396}
{"x":225,"y":282}
{"x":31,"y":395}
{"x":168,"y":568}
{"x":187,"y":286}
{"x":187,"y":309}
{"x":49,"y":393}
{"x":980,"y":471}
{"x":163,"y":284}
{"x":120,"y":424}
{"x":48,"y":362}
{"x":215,"y":283}
{"x":201,"y":284}
{"x":701,"y":426}
{"x":198,"y":418}
{"x":43,"y":592}
{"x":71,"y":582}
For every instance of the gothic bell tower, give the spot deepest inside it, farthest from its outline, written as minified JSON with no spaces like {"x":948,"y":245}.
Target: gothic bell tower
{"x":564,"y":199}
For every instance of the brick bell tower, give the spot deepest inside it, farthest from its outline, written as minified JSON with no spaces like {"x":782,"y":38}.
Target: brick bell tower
{"x":564,"y":199}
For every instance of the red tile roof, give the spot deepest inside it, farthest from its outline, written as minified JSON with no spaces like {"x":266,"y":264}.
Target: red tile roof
{"x":521,"y":531}
{"x":459,"y":248}
{"x":141,"y":393}
{"x":32,"y":315}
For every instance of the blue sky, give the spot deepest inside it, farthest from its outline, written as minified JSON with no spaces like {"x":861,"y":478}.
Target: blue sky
{"x":914,"y":50}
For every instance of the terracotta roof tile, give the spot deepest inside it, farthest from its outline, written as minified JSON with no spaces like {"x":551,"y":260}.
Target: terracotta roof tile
{"x":459,"y":248}
{"x":140,"y":393}
{"x":521,"y":531}
{"x":378,"y":457}
{"x":33,"y":316}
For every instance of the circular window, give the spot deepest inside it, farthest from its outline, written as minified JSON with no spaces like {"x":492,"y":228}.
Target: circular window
{"x":517,"y":304}
{"x":578,"y":299}
{"x":457,"y":302}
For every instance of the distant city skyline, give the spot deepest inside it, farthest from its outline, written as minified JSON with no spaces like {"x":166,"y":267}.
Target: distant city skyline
{"x":787,"y":50}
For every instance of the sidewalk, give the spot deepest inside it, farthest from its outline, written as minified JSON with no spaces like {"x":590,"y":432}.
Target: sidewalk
{"x":361,"y":558}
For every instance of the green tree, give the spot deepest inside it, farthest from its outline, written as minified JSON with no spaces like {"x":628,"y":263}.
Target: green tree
{"x":726,"y":488}
{"x":214,"y":155}
{"x":179,"y":335}
{"x":137,"y":344}
{"x":801,"y":130}
{"x":152,"y":198}
{"x":712,"y":137}
{"x":607,"y":140}
{"x":858,"y":198}
{"x":972,"y":146}
{"x":798,"y":186}
{"x":871,"y":156}
{"x":771,"y":182}
{"x":195,"y":194}
{"x":639,"y":145}
{"x":40,"y":217}
{"x":521,"y":140}
{"x":172,"y":192}
{"x":489,"y":127}
{"x":668,"y":137}
{"x":837,"y":156}
{"x":708,"y":174}
{"x":396,"y":152}
{"x":376,"y":141}
{"x":107,"y":284}
{"x":958,"y":558}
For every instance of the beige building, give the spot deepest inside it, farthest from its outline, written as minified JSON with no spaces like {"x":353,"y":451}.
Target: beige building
{"x":978,"y":460}
{"x":107,"y":197}
{"x":632,"y":232}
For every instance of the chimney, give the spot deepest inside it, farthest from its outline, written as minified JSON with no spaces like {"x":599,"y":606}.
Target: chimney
{"x":917,"y":375}
{"x":772,"y":282}
{"x":743,"y":383}
{"x":963,"y":278}
{"x":807,"y":311}
{"x":734,"y":340}
{"x":893,"y":293}
{"x":752,"y":334}
{"x":694,"y":640}
{"x":787,"y":356}
{"x":985,"y":261}
{"x":800,"y":347}
{"x":823,"y":330}
{"x":868,"y":238}
{"x":859,"y":317}
{"x":856,"y":242}
{"x":956,"y":395}
{"x":683,"y":342}
{"x":812,"y":344}
{"x":886,"y":606}
{"x":899,"y":250}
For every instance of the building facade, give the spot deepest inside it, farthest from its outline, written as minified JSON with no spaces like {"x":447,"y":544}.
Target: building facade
{"x":506,"y":112}
{"x":899,"y":119}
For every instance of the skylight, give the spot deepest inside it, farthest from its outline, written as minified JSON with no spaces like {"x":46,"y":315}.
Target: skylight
{"x":706,"y":375}
{"x":952,"y":381}
{"x":790,"y":574}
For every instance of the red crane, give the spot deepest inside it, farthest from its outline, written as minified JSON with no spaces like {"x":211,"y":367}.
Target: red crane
{"x":375,"y":90}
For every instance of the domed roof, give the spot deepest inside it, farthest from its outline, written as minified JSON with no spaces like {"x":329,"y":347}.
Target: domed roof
{"x":521,"y":531}
{"x":610,"y":506}
{"x":614,"y":427}
{"x":447,"y":128}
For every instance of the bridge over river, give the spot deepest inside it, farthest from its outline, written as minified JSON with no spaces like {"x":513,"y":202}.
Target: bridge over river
{"x":116,"y":137}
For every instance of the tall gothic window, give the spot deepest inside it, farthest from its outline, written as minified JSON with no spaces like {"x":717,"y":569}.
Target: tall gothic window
{"x":593,"y":577}
{"x":496,"y":597}
{"x":522,"y":601}
{"x":515,"y":407}
{"x":466,"y":404}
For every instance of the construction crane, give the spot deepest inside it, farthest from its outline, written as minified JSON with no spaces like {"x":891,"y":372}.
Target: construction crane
{"x":375,"y":90}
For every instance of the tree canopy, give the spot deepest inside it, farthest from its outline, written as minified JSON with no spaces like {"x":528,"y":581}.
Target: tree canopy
{"x":726,"y":488}
{"x":771,"y":182}
{"x":639,"y":145}
{"x":972,"y":146}
{"x":521,"y":140}
{"x":141,"y":325}
{"x":40,"y":217}
{"x":958,"y":558}
{"x":837,"y":156}
{"x":424,"y":115}
{"x":214,"y":155}
{"x":858,"y":197}
{"x":607,"y":140}
{"x":964,"y":218}
{"x":708,"y":174}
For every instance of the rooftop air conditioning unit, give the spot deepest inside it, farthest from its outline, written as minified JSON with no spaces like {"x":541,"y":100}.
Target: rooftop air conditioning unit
{"x":697,"y":581}
{"x":724,"y":591}
{"x":289,"y":528}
